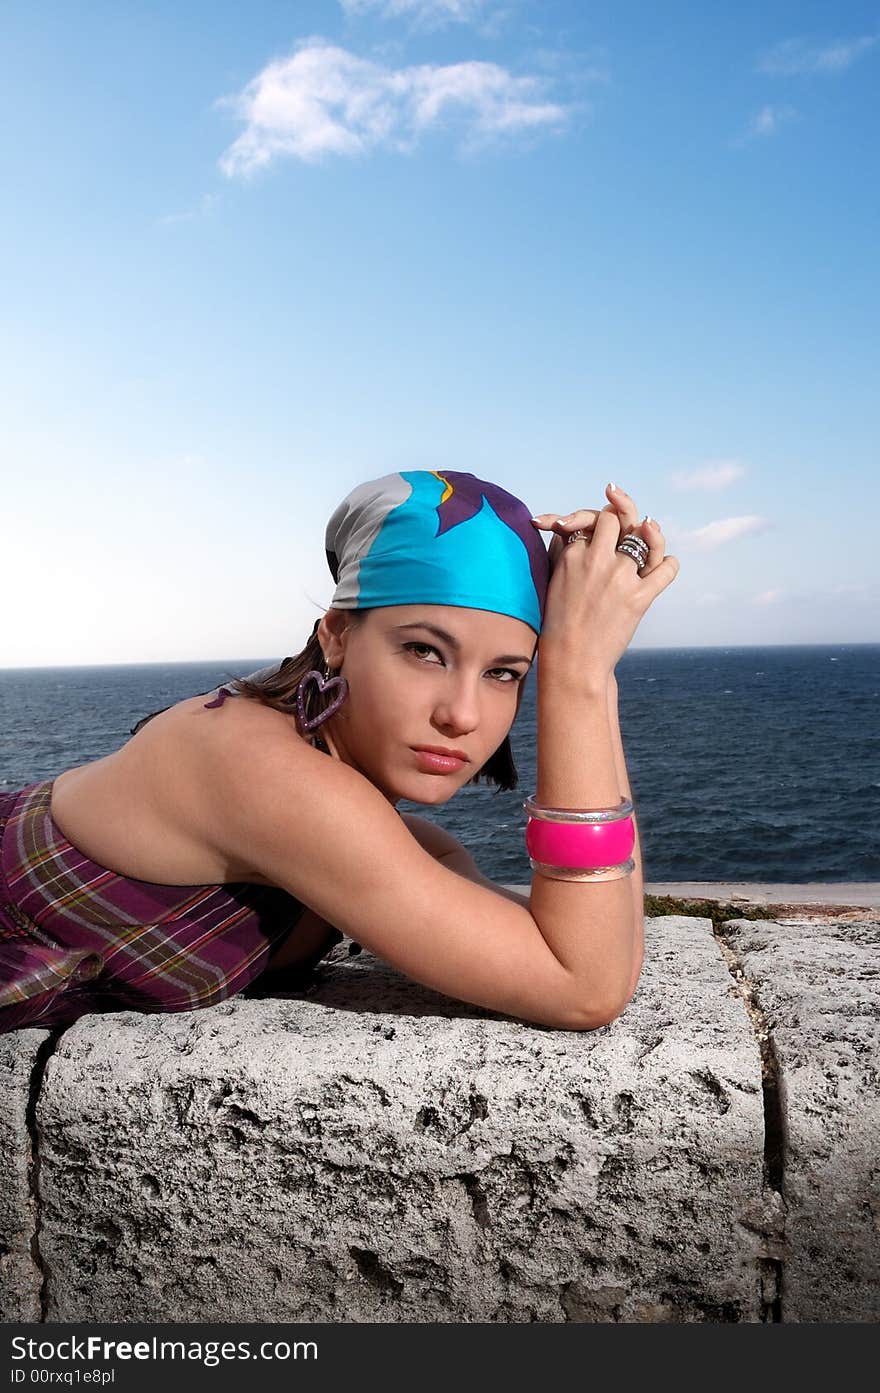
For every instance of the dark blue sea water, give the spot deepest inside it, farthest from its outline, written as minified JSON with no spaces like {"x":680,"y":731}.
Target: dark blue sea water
{"x":754,"y":764}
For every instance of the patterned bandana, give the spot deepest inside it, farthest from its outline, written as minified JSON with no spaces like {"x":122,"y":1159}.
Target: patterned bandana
{"x":422,"y":537}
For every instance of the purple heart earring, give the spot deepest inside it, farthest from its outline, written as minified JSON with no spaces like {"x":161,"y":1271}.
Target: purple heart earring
{"x":324,"y":684}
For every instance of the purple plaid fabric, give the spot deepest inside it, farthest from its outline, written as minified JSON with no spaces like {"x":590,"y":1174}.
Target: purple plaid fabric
{"x":77,"y":938}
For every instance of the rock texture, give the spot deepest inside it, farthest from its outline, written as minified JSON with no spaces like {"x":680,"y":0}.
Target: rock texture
{"x":368,"y":1150}
{"x":817,"y":987}
{"x":373,"y":1152}
{"x":20,"y":1274}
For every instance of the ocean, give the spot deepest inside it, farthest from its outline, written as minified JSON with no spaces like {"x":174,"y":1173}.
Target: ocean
{"x":752,"y":764}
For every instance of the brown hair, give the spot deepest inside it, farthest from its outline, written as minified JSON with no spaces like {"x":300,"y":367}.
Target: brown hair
{"x":279,"y":692}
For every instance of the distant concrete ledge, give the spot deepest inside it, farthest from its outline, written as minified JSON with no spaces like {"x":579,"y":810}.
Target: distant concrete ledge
{"x":368,"y":1150}
{"x":858,"y":893}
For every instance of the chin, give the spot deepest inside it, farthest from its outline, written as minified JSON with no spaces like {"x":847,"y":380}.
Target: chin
{"x":433,"y":791}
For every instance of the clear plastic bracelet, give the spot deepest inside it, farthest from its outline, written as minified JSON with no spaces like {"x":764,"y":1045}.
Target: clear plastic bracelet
{"x":587,"y":873}
{"x":621,"y":810}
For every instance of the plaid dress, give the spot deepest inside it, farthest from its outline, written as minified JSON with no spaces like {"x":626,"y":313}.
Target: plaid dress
{"x":76,"y":937}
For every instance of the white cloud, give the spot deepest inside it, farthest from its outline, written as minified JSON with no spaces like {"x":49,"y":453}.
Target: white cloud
{"x":717,"y":534}
{"x":710,"y":477}
{"x":324,"y":100}
{"x":769,"y":597}
{"x":710,"y":597}
{"x":764,"y":123}
{"x":768,"y":120}
{"x":799,"y":56}
{"x":429,"y":12}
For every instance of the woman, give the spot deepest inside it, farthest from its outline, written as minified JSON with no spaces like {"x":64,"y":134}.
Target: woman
{"x":231,"y":840}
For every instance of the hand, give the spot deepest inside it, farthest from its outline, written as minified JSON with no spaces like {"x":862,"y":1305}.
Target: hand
{"x":597,"y":595}
{"x":584,"y":519}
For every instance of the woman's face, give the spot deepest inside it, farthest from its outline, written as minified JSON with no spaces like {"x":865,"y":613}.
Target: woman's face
{"x":410,"y":685}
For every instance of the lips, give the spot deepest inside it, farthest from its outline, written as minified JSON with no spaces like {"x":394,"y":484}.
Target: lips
{"x":438,"y":750}
{"x":445,"y":763}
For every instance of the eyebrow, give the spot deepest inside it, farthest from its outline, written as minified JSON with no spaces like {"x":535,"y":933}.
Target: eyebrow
{"x":454,"y":643}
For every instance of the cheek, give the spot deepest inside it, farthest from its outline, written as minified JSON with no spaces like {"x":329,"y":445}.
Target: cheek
{"x":384,"y":695}
{"x":511,"y":711}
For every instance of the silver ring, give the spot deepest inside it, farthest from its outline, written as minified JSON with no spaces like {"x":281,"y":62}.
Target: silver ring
{"x":632,"y":546}
{"x":634,"y":555}
{"x":636,"y":548}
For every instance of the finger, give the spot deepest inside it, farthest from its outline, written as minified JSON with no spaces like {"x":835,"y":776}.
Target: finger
{"x":554,"y":522}
{"x":584,"y":520}
{"x":625,"y":507}
{"x":607,"y":530}
{"x":663,"y":574}
{"x":650,"y":531}
{"x":581,"y":520}
{"x":653,"y":535}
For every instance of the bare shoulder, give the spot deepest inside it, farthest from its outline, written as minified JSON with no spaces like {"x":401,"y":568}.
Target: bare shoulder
{"x":143,"y":809}
{"x":199,"y":726}
{"x":206,"y":749}
{"x":257,"y":774}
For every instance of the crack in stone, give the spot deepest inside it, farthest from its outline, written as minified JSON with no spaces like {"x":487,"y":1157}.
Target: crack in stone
{"x":41,"y":1061}
{"x":774,"y":1123}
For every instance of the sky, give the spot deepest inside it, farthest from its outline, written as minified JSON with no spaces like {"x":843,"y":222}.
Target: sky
{"x":254,"y":255}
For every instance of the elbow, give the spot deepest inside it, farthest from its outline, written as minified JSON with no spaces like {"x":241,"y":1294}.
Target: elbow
{"x":622,"y":1002}
{"x":593,"y":1018}
{"x":615,"y":1005}
{"x":616,"y":998}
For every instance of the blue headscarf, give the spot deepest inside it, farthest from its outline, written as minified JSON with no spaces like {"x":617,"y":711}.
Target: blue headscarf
{"x":426,"y":537}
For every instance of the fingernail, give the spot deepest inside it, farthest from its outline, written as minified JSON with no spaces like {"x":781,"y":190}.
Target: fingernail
{"x":613,"y":487}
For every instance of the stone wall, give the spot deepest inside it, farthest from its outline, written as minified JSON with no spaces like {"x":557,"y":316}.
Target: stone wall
{"x":368,"y":1150}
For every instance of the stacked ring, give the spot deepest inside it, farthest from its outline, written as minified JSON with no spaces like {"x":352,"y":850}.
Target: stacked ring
{"x":636,"y":547}
{"x":632,"y":546}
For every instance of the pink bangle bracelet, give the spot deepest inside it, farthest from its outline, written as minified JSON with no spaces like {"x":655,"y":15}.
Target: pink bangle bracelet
{"x":580,"y":848}
{"x":580,"y":839}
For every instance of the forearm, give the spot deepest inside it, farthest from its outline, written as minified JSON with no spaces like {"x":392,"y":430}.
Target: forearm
{"x":589,"y":925}
{"x":637,"y":878}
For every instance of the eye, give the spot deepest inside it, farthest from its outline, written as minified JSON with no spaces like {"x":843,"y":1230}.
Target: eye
{"x":508,"y":674}
{"x":426,"y":646}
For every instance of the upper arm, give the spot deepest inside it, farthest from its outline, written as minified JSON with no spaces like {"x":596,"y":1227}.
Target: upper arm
{"x":447,"y":849}
{"x":324,"y":833}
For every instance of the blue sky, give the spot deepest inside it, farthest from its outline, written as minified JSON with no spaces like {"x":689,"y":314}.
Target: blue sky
{"x":253,"y":255}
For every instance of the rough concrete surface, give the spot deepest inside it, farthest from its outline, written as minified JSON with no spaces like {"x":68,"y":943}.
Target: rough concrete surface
{"x":817,"y":986}
{"x":368,"y":1150}
{"x":20,"y":1275}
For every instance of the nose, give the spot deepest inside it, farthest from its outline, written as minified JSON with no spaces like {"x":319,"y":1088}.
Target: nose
{"x":457,"y":711}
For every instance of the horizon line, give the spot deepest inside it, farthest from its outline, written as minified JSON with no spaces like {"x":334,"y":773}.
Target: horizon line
{"x":218,"y":662}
